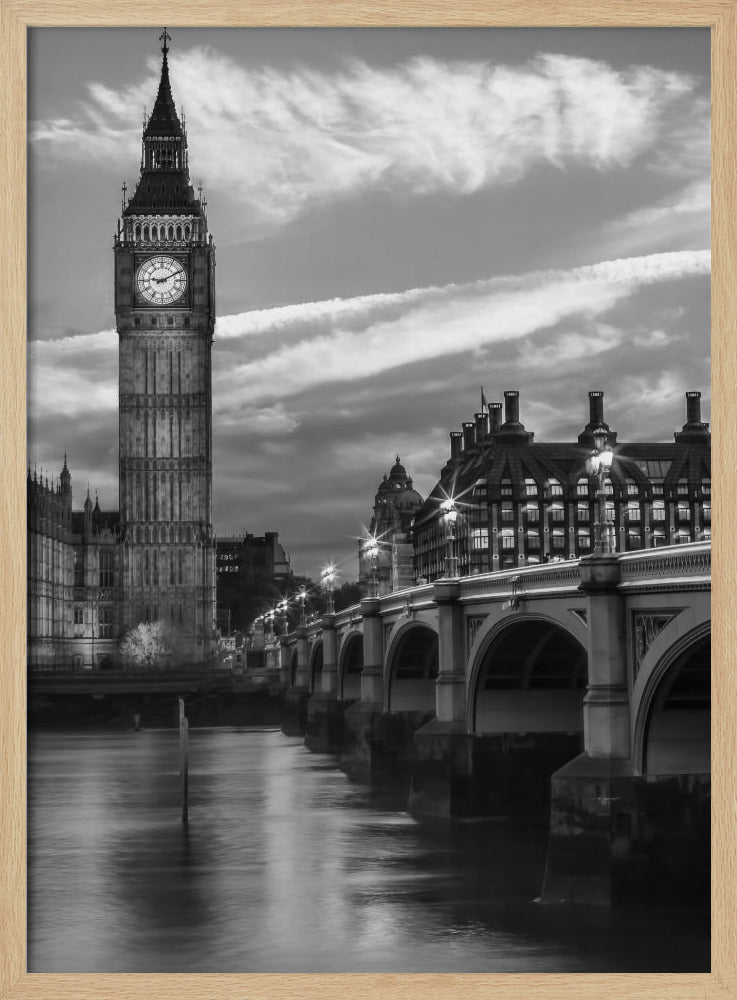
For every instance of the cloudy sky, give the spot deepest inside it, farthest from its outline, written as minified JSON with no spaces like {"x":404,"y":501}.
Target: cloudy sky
{"x":400,"y":216}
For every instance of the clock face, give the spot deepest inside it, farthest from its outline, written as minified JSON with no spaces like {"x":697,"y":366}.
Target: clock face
{"x":161,"y":280}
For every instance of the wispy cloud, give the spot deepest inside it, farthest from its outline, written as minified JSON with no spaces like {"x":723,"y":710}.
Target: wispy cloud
{"x":279,"y":142}
{"x":349,"y":340}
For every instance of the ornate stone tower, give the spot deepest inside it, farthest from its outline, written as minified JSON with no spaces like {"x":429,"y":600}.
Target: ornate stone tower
{"x":165,"y":316}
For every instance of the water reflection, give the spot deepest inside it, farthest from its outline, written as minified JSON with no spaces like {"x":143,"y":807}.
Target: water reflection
{"x":288,"y":867}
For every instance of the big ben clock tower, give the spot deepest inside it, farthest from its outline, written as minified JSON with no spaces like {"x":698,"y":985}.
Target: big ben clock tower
{"x":165,"y":317}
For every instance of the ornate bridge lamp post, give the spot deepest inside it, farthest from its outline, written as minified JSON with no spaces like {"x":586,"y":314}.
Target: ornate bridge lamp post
{"x":449,"y":519}
{"x":302,"y":597}
{"x":371,"y":552}
{"x":282,"y":609}
{"x":327,"y":581}
{"x":598,"y":464}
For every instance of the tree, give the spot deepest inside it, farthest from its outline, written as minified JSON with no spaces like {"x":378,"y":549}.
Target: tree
{"x":150,"y":644}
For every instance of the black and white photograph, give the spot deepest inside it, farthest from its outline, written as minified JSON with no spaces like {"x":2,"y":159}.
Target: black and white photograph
{"x":368,"y":500}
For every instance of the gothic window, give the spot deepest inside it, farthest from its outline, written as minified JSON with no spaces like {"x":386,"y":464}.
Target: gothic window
{"x":181,"y":567}
{"x":138,"y":232}
{"x":106,"y":568}
{"x":105,"y":620}
{"x":179,"y":232}
{"x":146,"y":568}
{"x":145,"y":234}
{"x":170,"y":233}
{"x":187,"y":232}
{"x":78,"y":614}
{"x":78,"y":568}
{"x":172,"y":568}
{"x":156,"y":568}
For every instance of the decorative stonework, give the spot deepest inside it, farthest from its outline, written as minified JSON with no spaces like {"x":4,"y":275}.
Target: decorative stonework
{"x":582,"y":615}
{"x":472,"y":627}
{"x":646,"y":627}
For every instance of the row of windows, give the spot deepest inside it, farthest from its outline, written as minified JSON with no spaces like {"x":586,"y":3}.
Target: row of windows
{"x":507,"y":540}
{"x":633,"y":511}
{"x":553,"y":488}
{"x":163,"y":232}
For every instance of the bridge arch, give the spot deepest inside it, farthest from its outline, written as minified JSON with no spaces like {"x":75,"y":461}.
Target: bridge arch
{"x":315,"y":667}
{"x":350,"y":666}
{"x":411,"y":668}
{"x":672,"y":730}
{"x":528,"y":675}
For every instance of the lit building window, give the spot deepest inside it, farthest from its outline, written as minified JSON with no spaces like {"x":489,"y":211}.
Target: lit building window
{"x":533,"y":513}
{"x":105,"y":619}
{"x":584,"y":538}
{"x":559,"y":539}
{"x":682,"y":487}
{"x":582,"y":512}
{"x":582,"y":488}
{"x":684,"y":510}
{"x":530,"y":488}
{"x":682,"y":536}
{"x":507,"y":513}
{"x":608,"y":488}
{"x":554,"y":488}
{"x":506,"y":488}
{"x":658,"y":510}
{"x":480,"y":538}
{"x":507,"y":538}
{"x":557,"y":514}
{"x":706,"y":513}
{"x":634,"y":539}
{"x":633,"y":489}
{"x":706,"y":487}
{"x":658,"y":537}
{"x":533,"y":539}
{"x":633,"y":511}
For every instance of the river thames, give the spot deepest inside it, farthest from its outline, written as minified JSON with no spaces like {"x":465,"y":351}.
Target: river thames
{"x":287,"y":866}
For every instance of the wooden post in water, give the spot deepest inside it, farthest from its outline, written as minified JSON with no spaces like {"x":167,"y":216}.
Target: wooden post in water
{"x":184,"y":760}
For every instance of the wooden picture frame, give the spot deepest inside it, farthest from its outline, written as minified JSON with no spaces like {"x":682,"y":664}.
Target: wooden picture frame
{"x":18,"y":15}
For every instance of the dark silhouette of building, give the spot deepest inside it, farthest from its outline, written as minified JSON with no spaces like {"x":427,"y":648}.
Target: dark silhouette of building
{"x":73,"y":578}
{"x":523,"y":502}
{"x":253,"y":572}
{"x":395,"y":505}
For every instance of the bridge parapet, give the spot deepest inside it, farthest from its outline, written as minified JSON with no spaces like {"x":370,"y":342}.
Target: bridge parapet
{"x":683,"y":566}
{"x":548,"y":577}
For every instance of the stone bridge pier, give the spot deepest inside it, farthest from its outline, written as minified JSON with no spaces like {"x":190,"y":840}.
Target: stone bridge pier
{"x":574,"y":695}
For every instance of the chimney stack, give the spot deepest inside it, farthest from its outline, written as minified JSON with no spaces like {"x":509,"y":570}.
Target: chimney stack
{"x":511,"y":406}
{"x":482,"y":426}
{"x":468,"y":434}
{"x":596,"y":407}
{"x":693,"y":407}
{"x":495,"y":417}
{"x":456,"y":441}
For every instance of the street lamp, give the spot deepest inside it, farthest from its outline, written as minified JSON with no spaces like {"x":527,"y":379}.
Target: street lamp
{"x":327,"y":580}
{"x":302,"y":597}
{"x":598,"y":464}
{"x":371,"y":552}
{"x":449,"y":518}
{"x":282,"y":609}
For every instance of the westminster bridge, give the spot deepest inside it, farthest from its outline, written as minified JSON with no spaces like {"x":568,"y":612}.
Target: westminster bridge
{"x":578,"y":691}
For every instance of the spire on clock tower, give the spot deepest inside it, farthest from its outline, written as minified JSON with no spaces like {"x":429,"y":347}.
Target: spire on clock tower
{"x":164,"y":187}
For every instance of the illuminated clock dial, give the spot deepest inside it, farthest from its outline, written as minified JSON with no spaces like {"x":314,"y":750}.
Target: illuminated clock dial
{"x":161,"y":280}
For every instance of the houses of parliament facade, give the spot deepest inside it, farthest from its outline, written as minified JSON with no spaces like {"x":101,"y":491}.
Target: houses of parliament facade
{"x":92,"y":575}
